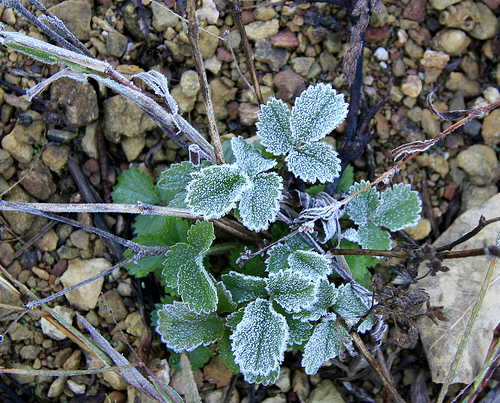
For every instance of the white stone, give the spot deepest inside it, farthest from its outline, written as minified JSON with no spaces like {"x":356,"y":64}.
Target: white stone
{"x":75,"y":387}
{"x":492,"y":95}
{"x":381,"y":54}
{"x":48,"y":329}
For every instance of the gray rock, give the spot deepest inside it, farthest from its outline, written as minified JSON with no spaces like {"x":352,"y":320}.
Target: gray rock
{"x":132,"y":147}
{"x":29,"y":353}
{"x":451,"y":41}
{"x":279,"y":398}
{"x":76,"y":15}
{"x":327,"y":61}
{"x":116,"y":43}
{"x":123,"y":118}
{"x":162,"y":18}
{"x":80,"y":239}
{"x":414,"y":51}
{"x":37,"y":184}
{"x":486,"y":25}
{"x":300,"y":384}
{"x":459,"y":82}
{"x":85,"y":297}
{"x":473,"y":196}
{"x":53,"y":332}
{"x":218,"y":395}
{"x":23,"y":379}
{"x":20,"y":332}
{"x":261,"y":29}
{"x":221,"y":95}
{"x":19,"y":222}
{"x":430,"y":125}
{"x":481,"y":164}
{"x":275,"y":57}
{"x":325,"y":392}
{"x":78,"y":101}
{"x":111,"y":307}
{"x":302,"y":65}
{"x":284,"y":379}
{"x":60,"y":136}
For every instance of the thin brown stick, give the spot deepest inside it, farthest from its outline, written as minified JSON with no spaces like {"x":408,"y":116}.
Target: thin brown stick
{"x":193,"y":35}
{"x":236,"y":10}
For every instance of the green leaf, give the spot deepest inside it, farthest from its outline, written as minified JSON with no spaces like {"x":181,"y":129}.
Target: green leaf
{"x":235,"y":318}
{"x":361,"y":207}
{"x":260,"y":339}
{"x":314,"y":161}
{"x":399,"y":208}
{"x":359,"y":264}
{"x":278,"y":255}
{"x":263,"y":379}
{"x":373,"y":237}
{"x":299,"y":331}
{"x":248,"y":158}
{"x":310,"y":264}
{"x":215,"y":190}
{"x":226,"y":353}
{"x":171,"y":229}
{"x":174,"y":259}
{"x":226,"y":302}
{"x":178,"y":201}
{"x":252,"y":267}
{"x":243,"y":287}
{"x":178,"y":176}
{"x":197,"y":287}
{"x":145,"y":266}
{"x":324,"y":344}
{"x":228,"y":152}
{"x":349,"y":305}
{"x":259,"y":204}
{"x":273,"y":127}
{"x":317,"y":112}
{"x":198,"y":358}
{"x":134,"y":186}
{"x":292,"y":291}
{"x":326,"y":297}
{"x":182,"y":329}
{"x":346,"y":180}
{"x":200,"y":236}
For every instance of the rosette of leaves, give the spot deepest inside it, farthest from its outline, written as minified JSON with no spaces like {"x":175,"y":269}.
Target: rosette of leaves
{"x":215,"y":190}
{"x":317,"y":112}
{"x":395,"y":208}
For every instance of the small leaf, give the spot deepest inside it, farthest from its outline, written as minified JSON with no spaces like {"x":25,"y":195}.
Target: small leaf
{"x":263,"y":379}
{"x":235,"y":318}
{"x":178,"y":201}
{"x":215,"y":190}
{"x":317,"y":112}
{"x":197,"y":287}
{"x":399,"y":208}
{"x":373,"y":237}
{"x":248,"y":158}
{"x":310,"y":264}
{"x":243,"y":287}
{"x":349,"y":305}
{"x":172,"y":229}
{"x":324,"y":344}
{"x":259,"y":204}
{"x":313,"y":162}
{"x":198,"y":358}
{"x":175,"y":258}
{"x":299,"y":331}
{"x":145,"y":266}
{"x":346,"y":180}
{"x":182,"y":329}
{"x":134,"y":186}
{"x":226,"y":354}
{"x":292,"y":291}
{"x":278,"y":255}
{"x":273,"y":127}
{"x":178,"y":176}
{"x":200,"y":236}
{"x":226,"y":302}
{"x":252,"y":267}
{"x":361,"y":207}
{"x":260,"y":339}
{"x":326,"y":297}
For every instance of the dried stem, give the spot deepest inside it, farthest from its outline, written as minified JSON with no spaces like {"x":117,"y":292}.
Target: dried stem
{"x":193,"y":35}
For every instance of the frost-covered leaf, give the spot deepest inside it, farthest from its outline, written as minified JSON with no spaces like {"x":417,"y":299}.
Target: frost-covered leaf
{"x":235,"y":318}
{"x":310,"y":264}
{"x":278,"y":255}
{"x":197,"y":358}
{"x":178,"y":201}
{"x":178,"y":176}
{"x":292,"y":291}
{"x":201,"y":235}
{"x":273,"y":127}
{"x":248,"y":158}
{"x":361,"y":207}
{"x":299,"y":331}
{"x":349,"y":305}
{"x":317,"y":112}
{"x":226,"y":302}
{"x":243,"y":287}
{"x":182,"y":329}
{"x":226,"y":354}
{"x":215,"y":190}
{"x":324,"y":344}
{"x":259,"y":203}
{"x":260,"y":339}
{"x":373,"y":237}
{"x":326,"y":297}
{"x":314,"y":161}
{"x":251,"y":267}
{"x":177,"y":256}
{"x":196,"y":286}
{"x":263,"y":379}
{"x":134,"y":186}
{"x":399,"y":208}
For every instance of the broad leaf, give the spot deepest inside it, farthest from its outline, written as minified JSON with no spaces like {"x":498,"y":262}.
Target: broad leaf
{"x":200,"y":236}
{"x":226,"y":354}
{"x":399,"y":208}
{"x":299,"y":331}
{"x":292,"y":291}
{"x":273,"y":127}
{"x":373,"y":237}
{"x":260,"y":339}
{"x":314,"y":161}
{"x":278,"y":255}
{"x":349,"y":305}
{"x":197,"y":358}
{"x":310,"y":264}
{"x":178,"y":176}
{"x":175,"y":258}
{"x":215,"y":190}
{"x":179,"y":200}
{"x":251,"y":267}
{"x":259,"y":204}
{"x":326,"y":297}
{"x":248,"y":158}
{"x":317,"y":112}
{"x":324,"y":344}
{"x":134,"y":186}
{"x":243,"y":287}
{"x":182,"y":329}
{"x":346,"y":180}
{"x":172,"y":229}
{"x":361,"y":207}
{"x":145,"y":266}
{"x":263,"y":379}
{"x":235,"y":318}
{"x":197,"y":287}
